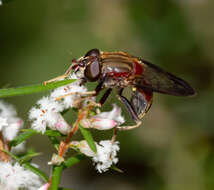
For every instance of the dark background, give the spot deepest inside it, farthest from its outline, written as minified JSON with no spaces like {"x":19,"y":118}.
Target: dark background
{"x":174,"y":148}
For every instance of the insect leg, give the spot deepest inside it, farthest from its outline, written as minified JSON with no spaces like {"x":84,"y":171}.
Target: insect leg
{"x":113,"y":139}
{"x":131,"y":111}
{"x":105,"y":96}
{"x":98,"y":88}
{"x":128,"y":105}
{"x":91,"y":94}
{"x":76,"y":93}
{"x":66,"y":74}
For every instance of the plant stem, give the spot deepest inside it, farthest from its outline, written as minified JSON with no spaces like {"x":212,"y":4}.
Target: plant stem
{"x":57,"y":170}
{"x":64,"y":144}
{"x":56,"y":176}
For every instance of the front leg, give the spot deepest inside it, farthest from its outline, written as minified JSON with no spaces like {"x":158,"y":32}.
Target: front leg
{"x":65,"y":75}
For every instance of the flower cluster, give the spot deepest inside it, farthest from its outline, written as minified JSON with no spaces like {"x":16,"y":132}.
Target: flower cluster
{"x":10,"y":124}
{"x":48,"y":111}
{"x":105,"y":155}
{"x":12,"y":175}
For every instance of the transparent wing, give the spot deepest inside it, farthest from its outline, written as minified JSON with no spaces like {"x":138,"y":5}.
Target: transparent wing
{"x":158,"y":80}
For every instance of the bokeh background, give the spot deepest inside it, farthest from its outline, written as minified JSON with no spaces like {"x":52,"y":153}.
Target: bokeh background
{"x":174,"y":148}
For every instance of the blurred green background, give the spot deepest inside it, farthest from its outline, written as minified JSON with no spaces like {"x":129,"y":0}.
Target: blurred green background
{"x":174,"y":148}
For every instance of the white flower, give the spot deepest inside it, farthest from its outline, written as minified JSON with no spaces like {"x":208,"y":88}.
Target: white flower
{"x":3,"y":122}
{"x":45,"y":187}
{"x":13,"y":128}
{"x":7,"y":110}
{"x":104,"y":120}
{"x":83,"y":147}
{"x":10,"y":124}
{"x":68,"y":101}
{"x":1,"y":2}
{"x":14,"y":177}
{"x":62,"y":126}
{"x":47,"y":114}
{"x":105,"y":156}
{"x":115,"y":115}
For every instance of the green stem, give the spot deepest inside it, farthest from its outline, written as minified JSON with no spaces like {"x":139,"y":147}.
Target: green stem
{"x":57,"y":170}
{"x":56,"y":176}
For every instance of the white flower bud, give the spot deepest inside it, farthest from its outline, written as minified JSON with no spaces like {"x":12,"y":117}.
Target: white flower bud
{"x":98,"y":123}
{"x":45,"y":187}
{"x":83,"y":147}
{"x":62,"y":126}
{"x":56,"y":160}
{"x":114,"y":114}
{"x":3,"y":122}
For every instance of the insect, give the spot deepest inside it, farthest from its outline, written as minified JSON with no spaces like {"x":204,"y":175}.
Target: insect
{"x":119,"y":70}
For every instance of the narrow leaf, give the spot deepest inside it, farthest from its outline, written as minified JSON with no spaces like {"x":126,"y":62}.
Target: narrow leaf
{"x":48,"y":132}
{"x":115,"y":168}
{"x":11,"y":154}
{"x":22,"y":137}
{"x":37,"y":171}
{"x":7,"y":92}
{"x":53,"y":133}
{"x":28,"y":157}
{"x":74,"y":160}
{"x":88,"y":137}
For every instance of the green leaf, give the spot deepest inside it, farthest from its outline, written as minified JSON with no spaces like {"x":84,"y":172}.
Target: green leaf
{"x":88,"y":137}
{"x":37,"y":171}
{"x":63,"y":188}
{"x":48,"y":132}
{"x":22,"y":137}
{"x":74,"y":160}
{"x":53,"y":133}
{"x":11,"y":154}
{"x":115,"y":168}
{"x":28,"y":157}
{"x":7,"y":92}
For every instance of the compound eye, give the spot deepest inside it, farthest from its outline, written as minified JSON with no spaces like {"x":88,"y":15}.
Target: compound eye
{"x":92,"y":71}
{"x":93,"y":52}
